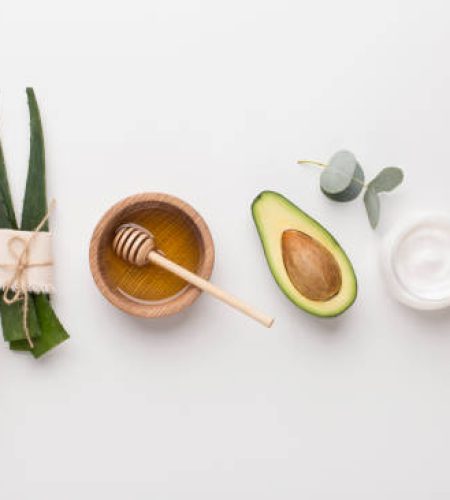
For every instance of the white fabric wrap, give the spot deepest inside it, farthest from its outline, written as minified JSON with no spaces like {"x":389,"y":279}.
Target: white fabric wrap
{"x":38,"y":279}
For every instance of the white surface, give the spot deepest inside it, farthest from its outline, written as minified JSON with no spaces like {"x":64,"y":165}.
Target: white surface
{"x":214,"y":102}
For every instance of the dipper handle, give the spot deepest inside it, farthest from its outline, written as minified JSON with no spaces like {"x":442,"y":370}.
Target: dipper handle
{"x":193,"y":279}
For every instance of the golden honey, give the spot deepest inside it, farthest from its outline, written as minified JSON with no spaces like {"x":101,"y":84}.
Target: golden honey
{"x":175,"y":236}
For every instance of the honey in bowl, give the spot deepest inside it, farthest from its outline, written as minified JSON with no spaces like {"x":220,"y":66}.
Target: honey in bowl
{"x":178,"y":240}
{"x":180,"y":233}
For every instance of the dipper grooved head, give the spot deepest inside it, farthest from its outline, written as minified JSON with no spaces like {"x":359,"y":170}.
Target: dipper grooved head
{"x":133,"y":243}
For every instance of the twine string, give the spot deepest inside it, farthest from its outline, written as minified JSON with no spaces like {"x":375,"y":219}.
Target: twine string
{"x":17,"y":285}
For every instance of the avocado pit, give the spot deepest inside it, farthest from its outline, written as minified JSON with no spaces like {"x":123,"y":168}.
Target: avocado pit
{"x":311,"y":267}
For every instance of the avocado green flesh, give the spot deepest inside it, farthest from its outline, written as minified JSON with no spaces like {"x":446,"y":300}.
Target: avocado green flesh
{"x":273,"y":214}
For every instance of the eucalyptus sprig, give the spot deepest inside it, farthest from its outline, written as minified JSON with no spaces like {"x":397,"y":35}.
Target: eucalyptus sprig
{"x":343,"y":180}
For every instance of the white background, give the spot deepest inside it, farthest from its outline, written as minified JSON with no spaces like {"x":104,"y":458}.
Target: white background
{"x":213,"y":102}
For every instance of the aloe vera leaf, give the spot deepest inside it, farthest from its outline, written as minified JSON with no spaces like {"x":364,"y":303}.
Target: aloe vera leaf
{"x":34,"y":210}
{"x":12,"y":315}
{"x":50,"y":324}
{"x":12,"y":321}
{"x":53,"y":332}
{"x":35,"y":201}
{"x":19,"y":345}
{"x":7,"y":215}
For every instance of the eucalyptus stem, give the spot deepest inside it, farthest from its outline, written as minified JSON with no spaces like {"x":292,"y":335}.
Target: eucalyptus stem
{"x":324,"y":165}
{"x":312,"y":162}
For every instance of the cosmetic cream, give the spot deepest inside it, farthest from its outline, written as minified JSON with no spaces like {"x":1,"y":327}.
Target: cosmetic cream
{"x":416,"y":260}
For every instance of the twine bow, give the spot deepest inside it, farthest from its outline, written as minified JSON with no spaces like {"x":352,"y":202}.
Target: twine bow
{"x":17,"y":284}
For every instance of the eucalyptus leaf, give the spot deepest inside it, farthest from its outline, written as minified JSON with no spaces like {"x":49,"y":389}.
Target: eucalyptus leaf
{"x":343,"y":178}
{"x":387,"y":180}
{"x":372,"y":203}
{"x":352,"y":191}
{"x":338,"y":175}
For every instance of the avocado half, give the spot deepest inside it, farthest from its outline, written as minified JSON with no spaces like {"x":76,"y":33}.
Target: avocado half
{"x":308,"y":264}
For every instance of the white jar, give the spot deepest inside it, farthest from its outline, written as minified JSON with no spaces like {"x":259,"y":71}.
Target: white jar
{"x":416,"y":261}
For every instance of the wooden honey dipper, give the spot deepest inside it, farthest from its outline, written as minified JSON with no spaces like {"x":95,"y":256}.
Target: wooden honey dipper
{"x":136,"y":245}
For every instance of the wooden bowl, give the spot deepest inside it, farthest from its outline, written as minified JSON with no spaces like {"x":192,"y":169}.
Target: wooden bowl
{"x":172,"y":211}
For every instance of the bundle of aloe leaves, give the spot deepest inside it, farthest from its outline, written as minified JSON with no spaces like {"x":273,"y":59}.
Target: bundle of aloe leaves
{"x":44,"y":326}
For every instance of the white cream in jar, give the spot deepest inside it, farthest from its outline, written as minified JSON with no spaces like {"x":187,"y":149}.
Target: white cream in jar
{"x":416,"y":259}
